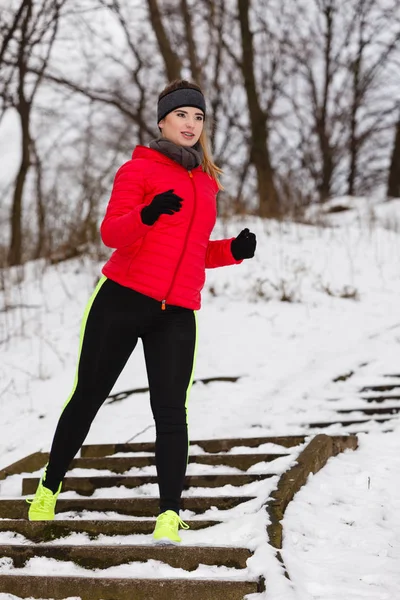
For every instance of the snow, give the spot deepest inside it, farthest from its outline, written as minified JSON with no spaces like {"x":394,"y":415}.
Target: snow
{"x":307,"y":323}
{"x":355,"y":530}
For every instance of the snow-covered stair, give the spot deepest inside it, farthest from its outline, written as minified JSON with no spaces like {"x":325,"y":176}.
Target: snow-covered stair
{"x":100,"y":545}
{"x":377,"y":403}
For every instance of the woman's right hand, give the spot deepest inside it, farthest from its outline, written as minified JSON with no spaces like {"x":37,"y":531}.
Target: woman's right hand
{"x":166,"y":203}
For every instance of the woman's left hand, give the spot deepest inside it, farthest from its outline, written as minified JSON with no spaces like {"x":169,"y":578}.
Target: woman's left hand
{"x":244,"y":245}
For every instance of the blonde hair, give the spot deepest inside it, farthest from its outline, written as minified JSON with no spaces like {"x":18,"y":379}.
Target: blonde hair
{"x":207,"y":163}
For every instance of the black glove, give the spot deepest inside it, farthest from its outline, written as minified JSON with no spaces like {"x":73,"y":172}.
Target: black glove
{"x":163,"y":204}
{"x":244,"y":245}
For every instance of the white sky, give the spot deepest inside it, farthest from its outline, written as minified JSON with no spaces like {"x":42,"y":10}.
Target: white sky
{"x":342,"y":531}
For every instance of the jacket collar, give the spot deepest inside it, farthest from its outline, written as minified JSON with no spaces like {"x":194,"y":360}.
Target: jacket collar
{"x":155,"y":155}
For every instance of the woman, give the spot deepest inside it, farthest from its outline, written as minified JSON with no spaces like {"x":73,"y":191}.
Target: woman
{"x":159,"y":219}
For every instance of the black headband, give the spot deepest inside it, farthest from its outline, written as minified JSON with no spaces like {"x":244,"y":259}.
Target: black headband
{"x":178,"y":98}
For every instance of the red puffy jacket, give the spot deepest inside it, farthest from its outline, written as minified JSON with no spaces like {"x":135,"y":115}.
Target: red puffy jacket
{"x":167,"y":260}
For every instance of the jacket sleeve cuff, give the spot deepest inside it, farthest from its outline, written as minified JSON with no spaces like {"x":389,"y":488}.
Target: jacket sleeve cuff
{"x":219,"y":254}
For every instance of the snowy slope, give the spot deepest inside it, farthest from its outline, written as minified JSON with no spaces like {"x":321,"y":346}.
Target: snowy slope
{"x":314,"y":304}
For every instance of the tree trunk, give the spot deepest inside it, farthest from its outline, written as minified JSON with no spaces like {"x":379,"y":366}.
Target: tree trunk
{"x":40,"y":249}
{"x":191,"y":44}
{"x":15,"y":250}
{"x":322,"y":119}
{"x":356,"y":75}
{"x":394,"y":172}
{"x":24,"y":109}
{"x":353,"y":150}
{"x":327,"y":165}
{"x":171,"y":59}
{"x":268,"y":197}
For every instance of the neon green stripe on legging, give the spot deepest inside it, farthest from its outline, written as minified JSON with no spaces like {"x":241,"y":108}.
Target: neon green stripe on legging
{"x":82,"y":333}
{"x":191,"y":377}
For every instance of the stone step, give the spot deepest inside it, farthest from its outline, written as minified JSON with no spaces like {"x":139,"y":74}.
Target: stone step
{"x":123,"y":464}
{"x":94,"y":588}
{"x":223,"y":445}
{"x":87,"y":485}
{"x":105,"y":556}
{"x":322,"y":425}
{"x":380,"y":398}
{"x":138,"y":507}
{"x":378,"y":410}
{"x":379,"y":388}
{"x":44,"y":531}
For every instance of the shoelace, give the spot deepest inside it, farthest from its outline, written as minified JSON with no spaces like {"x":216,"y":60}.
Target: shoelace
{"x":172,"y":520}
{"x":45,"y":499}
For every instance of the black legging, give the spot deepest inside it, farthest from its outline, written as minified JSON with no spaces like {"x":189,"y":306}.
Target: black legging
{"x":114,"y":320}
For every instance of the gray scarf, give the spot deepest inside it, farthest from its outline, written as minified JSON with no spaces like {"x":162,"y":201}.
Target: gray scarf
{"x":187,"y":156}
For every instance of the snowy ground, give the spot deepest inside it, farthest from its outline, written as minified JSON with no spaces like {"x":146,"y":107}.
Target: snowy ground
{"x":341,"y":315}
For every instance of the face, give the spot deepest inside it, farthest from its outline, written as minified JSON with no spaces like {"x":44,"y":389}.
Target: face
{"x":185,"y":120}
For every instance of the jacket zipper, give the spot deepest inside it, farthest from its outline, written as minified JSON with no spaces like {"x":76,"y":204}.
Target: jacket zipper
{"x":184,"y":246}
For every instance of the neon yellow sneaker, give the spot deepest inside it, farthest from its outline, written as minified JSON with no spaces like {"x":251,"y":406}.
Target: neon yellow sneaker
{"x":167,"y":526}
{"x":43,"y":504}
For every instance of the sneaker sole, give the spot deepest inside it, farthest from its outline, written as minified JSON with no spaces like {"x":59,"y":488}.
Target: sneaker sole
{"x":165,"y":542}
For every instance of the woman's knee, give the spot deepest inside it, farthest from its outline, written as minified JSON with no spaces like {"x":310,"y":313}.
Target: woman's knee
{"x":170,"y":421}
